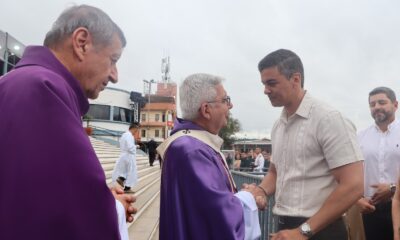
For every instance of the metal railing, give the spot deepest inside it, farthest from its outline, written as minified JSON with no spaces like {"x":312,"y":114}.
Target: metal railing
{"x":104,"y":134}
{"x":99,"y":133}
{"x":268,"y":222}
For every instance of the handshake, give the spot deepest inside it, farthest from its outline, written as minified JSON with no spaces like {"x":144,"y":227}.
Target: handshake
{"x":259,"y":193}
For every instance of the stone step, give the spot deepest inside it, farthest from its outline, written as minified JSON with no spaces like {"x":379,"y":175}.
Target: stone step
{"x":114,"y":160}
{"x":156,"y":232}
{"x":110,"y":155}
{"x":112,"y":163}
{"x":110,"y":166}
{"x":140,"y":161}
{"x":144,"y":197}
{"x":114,"y":152}
{"x":146,"y":181}
{"x":102,"y":147}
{"x":116,"y":156}
{"x":142,"y":174}
{"x":146,"y":225}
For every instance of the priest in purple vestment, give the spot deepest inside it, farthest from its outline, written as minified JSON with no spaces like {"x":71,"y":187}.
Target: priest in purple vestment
{"x":199,"y":199}
{"x":52,"y":185}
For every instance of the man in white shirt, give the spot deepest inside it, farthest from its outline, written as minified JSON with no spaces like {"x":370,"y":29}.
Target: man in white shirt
{"x":259,"y":161}
{"x":316,"y":168}
{"x":380,"y":146}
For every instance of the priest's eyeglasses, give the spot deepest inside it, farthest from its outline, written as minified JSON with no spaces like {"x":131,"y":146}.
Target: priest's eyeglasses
{"x":226,"y":100}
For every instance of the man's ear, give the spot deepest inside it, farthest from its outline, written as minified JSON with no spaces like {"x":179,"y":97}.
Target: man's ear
{"x":81,"y":42}
{"x":296,"y":78}
{"x":205,"y":111}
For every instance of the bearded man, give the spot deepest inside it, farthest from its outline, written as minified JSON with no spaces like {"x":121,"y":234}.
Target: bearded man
{"x":380,"y":146}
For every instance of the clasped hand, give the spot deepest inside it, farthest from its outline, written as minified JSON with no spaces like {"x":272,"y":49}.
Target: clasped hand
{"x":127,"y":200}
{"x":259,"y":195}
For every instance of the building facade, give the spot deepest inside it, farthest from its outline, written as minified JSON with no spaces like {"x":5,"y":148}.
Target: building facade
{"x":112,"y":113}
{"x":157,"y":116}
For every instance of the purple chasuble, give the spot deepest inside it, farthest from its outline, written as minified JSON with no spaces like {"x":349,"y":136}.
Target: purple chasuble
{"x":196,"y":197}
{"x":52,"y":186}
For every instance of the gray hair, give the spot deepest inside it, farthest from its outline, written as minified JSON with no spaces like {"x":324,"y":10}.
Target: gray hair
{"x":98,"y":23}
{"x":287,"y":62}
{"x":196,"y":89}
{"x":385,"y":90}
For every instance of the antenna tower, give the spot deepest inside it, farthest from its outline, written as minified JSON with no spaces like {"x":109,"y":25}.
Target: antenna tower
{"x":165,"y":67}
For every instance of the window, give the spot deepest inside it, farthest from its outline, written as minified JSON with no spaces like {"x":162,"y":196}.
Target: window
{"x":101,"y":112}
{"x":143,"y":133}
{"x":163,"y":118}
{"x":122,"y":114}
{"x":157,"y":133}
{"x":157,"y":117}
{"x":143,"y":117}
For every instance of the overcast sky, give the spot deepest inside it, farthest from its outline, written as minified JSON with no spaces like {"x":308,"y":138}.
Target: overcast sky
{"x":347,"y":47}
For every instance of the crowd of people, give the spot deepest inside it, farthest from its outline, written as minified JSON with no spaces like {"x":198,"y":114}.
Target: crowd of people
{"x":319,"y":167}
{"x":256,"y":160}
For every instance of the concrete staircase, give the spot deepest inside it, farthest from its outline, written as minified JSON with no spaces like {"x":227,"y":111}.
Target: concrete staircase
{"x":147,"y":191}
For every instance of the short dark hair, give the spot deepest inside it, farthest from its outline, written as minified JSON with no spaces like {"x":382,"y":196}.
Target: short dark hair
{"x":287,"y":62}
{"x":134,"y":125}
{"x":97,"y":22}
{"x":387,"y":91}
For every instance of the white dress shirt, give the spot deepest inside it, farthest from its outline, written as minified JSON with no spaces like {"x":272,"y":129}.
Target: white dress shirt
{"x":259,"y":162}
{"x":305,"y":148}
{"x":381,"y":151}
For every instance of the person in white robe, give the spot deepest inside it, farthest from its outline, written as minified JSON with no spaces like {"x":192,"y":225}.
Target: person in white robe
{"x":125,"y":170}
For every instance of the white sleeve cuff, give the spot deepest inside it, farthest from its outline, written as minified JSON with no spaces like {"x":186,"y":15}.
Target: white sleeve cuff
{"x":123,"y":228}
{"x":250,"y":213}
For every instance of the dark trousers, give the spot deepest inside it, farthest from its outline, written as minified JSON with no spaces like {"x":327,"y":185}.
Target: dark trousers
{"x":152,"y":157}
{"x":378,"y":224}
{"x":334,"y":231}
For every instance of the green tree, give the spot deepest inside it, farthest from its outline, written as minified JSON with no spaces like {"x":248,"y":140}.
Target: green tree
{"x":227,"y":133}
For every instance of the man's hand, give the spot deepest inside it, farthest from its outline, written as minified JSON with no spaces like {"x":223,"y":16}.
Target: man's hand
{"x":382,"y":193}
{"x":258,"y":193}
{"x":291,"y":234}
{"x":127,"y":200}
{"x":365,"y":206}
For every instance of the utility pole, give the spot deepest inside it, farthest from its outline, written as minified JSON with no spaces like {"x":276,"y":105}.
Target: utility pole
{"x":147,"y":89}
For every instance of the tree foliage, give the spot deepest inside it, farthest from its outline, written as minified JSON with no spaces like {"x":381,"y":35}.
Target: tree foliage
{"x":227,"y":133}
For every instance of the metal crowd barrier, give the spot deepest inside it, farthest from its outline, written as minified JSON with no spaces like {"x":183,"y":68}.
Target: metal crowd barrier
{"x":268,"y":222}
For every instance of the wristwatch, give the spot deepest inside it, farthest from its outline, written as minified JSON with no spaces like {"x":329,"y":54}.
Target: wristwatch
{"x":392,"y":188}
{"x":305,"y":229}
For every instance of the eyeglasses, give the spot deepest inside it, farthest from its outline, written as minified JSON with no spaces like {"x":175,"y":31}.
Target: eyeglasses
{"x":226,"y":100}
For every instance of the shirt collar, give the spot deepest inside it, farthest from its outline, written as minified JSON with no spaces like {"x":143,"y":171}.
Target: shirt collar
{"x":304,"y":108}
{"x":391,"y":126}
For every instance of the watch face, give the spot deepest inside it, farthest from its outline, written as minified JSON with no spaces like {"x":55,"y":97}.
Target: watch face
{"x":305,"y":227}
{"x":306,"y":230}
